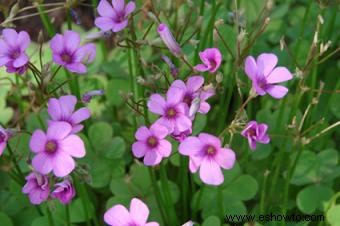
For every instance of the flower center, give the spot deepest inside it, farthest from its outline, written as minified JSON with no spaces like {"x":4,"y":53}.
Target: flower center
{"x":262,"y":83}
{"x":51,"y":146}
{"x":171,"y":112}
{"x":188,"y":99}
{"x":15,"y":54}
{"x":66,"y":58}
{"x":210,"y":150}
{"x":251,"y":132}
{"x":152,"y":141}
{"x":2,"y":137}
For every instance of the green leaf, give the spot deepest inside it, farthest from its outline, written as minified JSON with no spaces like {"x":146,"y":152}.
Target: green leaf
{"x":5,"y":220}
{"x":212,"y":221}
{"x":243,"y":188}
{"x":100,"y":134}
{"x":77,"y":213}
{"x":311,"y":198}
{"x":235,"y":207}
{"x":199,"y":123}
{"x":115,"y":149}
{"x":140,"y":180}
{"x":333,"y":215}
{"x":114,"y":89}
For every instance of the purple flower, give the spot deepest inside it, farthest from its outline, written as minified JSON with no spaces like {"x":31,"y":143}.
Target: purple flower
{"x":37,"y":188}
{"x":55,"y":149}
{"x":193,"y":89}
{"x":62,"y":109}
{"x":151,"y":144}
{"x":206,"y":154}
{"x":264,"y":75}
{"x":211,"y":59}
{"x":169,"y":40}
{"x":67,"y":52}
{"x":256,"y":133}
{"x":180,"y":136}
{"x":87,"y":97}
{"x":137,"y":215}
{"x":173,"y":111}
{"x":12,"y":50}
{"x":4,"y":136}
{"x":114,"y":17}
{"x":64,"y":191}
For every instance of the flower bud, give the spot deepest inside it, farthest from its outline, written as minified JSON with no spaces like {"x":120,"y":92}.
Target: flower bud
{"x":169,"y":40}
{"x":64,"y":191}
{"x":86,"y":98}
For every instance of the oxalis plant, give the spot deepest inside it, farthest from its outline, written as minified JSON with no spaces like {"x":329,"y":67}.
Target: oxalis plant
{"x":170,"y":113}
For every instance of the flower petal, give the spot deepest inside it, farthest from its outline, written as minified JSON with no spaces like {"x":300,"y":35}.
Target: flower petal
{"x":210,"y":172}
{"x":80,"y":115}
{"x":57,"y":44}
{"x":139,"y":212}
{"x":225,"y":157}
{"x":20,"y":61}
{"x":63,"y":164}
{"x":190,"y":146}
{"x":42,"y":163}
{"x":120,"y":26}
{"x":279,"y":74}
{"x":105,"y":9}
{"x":183,"y":123}
{"x":266,"y":63}
{"x":152,"y":158}
{"x":210,"y":139}
{"x":195,"y":82}
{"x":86,"y":53}
{"x":174,"y":95}
{"x":277,"y":91}
{"x":118,"y":215}
{"x":164,"y":148}
{"x":139,"y":149}
{"x":201,"y":67}
{"x":194,"y":163}
{"x":156,"y":104}
{"x":38,"y":141}
{"x":104,"y":23}
{"x":10,"y":36}
{"x":77,"y":68}
{"x":118,"y":5}
{"x":54,"y":109}
{"x":159,"y":131}
{"x":169,"y":124}
{"x":250,"y":67}
{"x":129,"y":8}
{"x":58,"y":130}
{"x":142,"y":133}
{"x":67,"y":105}
{"x":24,"y":40}
{"x":73,"y":146}
{"x":71,"y":41}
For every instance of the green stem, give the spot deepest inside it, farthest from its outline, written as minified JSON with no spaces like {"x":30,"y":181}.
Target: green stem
{"x":170,"y":208}
{"x":46,"y":21}
{"x":49,"y":216}
{"x":83,"y":195}
{"x":157,"y":194}
{"x":220,"y":201}
{"x":263,"y":194}
{"x":67,"y":209}
{"x":184,"y":186}
{"x":16,"y":165}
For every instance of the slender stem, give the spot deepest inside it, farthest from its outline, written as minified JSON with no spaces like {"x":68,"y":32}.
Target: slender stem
{"x":184,"y":186}
{"x":16,"y":165}
{"x":157,"y":194}
{"x":46,"y":20}
{"x":220,"y":201}
{"x":167,"y":195}
{"x":49,"y":216}
{"x":68,"y":221}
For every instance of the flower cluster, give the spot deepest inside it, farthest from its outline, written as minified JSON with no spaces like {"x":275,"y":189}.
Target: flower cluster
{"x":66,"y":51}
{"x":54,"y":150}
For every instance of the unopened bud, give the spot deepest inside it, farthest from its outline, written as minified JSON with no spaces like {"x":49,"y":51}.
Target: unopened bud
{"x":195,"y":105}
{"x":169,"y":40}
{"x":87,"y":97}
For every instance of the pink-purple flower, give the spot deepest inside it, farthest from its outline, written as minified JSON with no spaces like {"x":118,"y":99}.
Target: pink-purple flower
{"x":13,"y":47}
{"x":207,"y":155}
{"x":169,"y":40}
{"x":87,"y":97}
{"x":193,"y":89}
{"x":64,"y":191}
{"x":54,"y":150}
{"x":151,"y":144}
{"x":114,"y":16}
{"x":265,"y":75}
{"x":256,"y":133}
{"x":173,"y":112}
{"x":67,"y":52}
{"x":211,"y":59}
{"x":63,"y":109}
{"x":137,"y":215}
{"x":37,"y":188}
{"x":4,"y":136}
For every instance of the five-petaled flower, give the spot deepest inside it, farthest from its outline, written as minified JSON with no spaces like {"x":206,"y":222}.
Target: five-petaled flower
{"x":114,"y":17}
{"x":62,"y":109}
{"x":37,"y":188}
{"x":211,"y":59}
{"x":13,"y":47}
{"x":55,"y":149}
{"x":137,"y":215}
{"x":173,"y":112}
{"x":206,"y":154}
{"x":151,"y":144}
{"x":256,"y":132}
{"x":67,"y":52}
{"x":265,"y":75}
